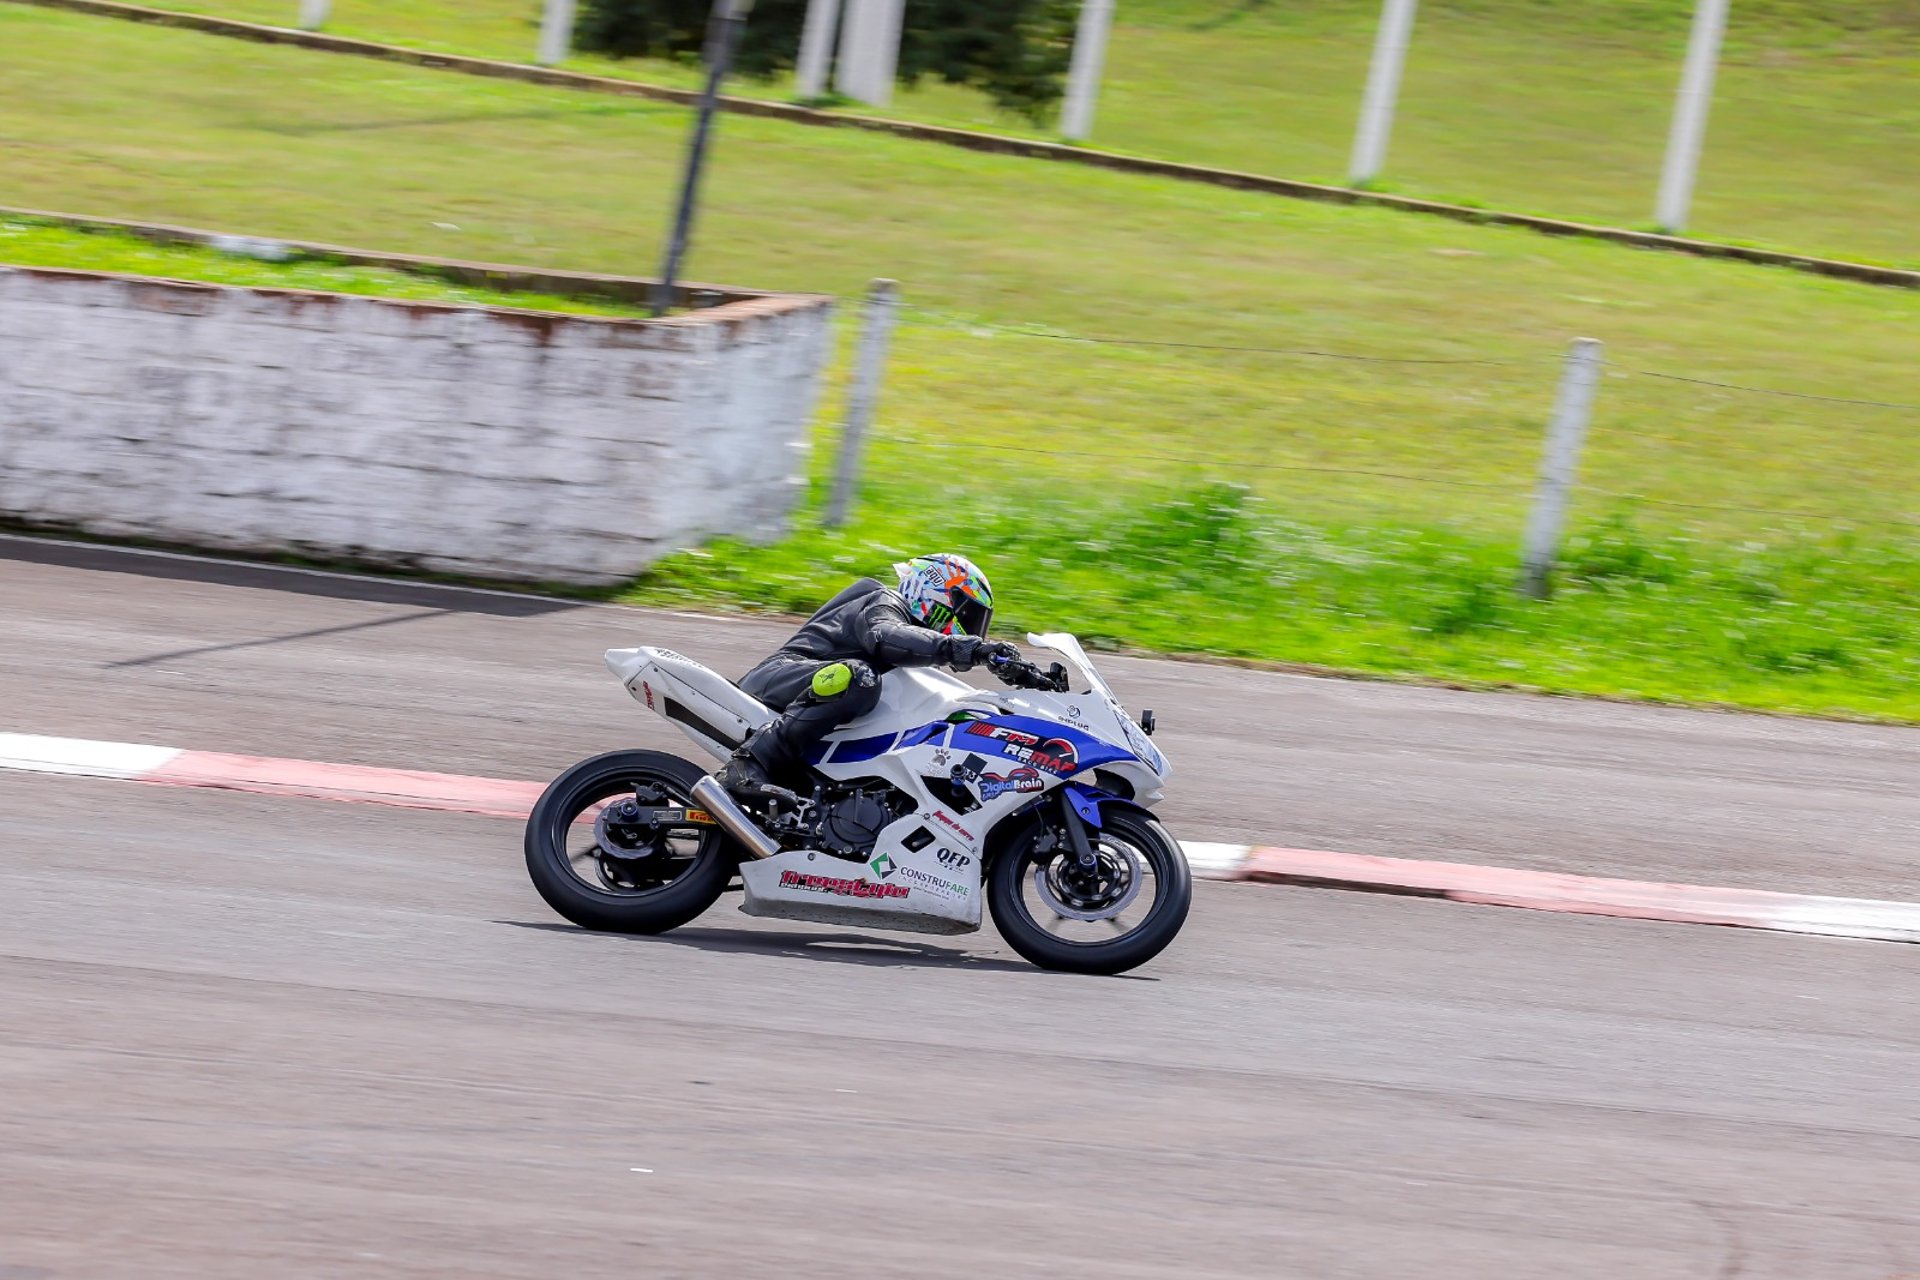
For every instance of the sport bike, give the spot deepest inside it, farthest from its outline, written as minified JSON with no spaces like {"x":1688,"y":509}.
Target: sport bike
{"x":1035,"y":798}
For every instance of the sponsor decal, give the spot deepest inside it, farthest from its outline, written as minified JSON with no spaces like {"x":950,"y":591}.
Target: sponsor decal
{"x":883,"y":866}
{"x":967,"y":772}
{"x":940,"y":757}
{"x":1055,"y":755}
{"x":841,"y":886}
{"x":653,"y":817}
{"x":934,"y":884}
{"x":953,"y":858}
{"x":965,"y":834}
{"x":1002,"y":733}
{"x":648,"y":690}
{"x":1022,"y":779}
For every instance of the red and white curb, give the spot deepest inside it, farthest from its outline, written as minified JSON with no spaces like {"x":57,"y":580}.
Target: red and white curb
{"x":1456,"y":881}
{"x":268,"y":775}
{"x":1579,"y":895}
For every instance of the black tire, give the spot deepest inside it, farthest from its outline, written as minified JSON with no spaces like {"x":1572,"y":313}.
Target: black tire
{"x":1173,"y":895}
{"x":675,"y":902}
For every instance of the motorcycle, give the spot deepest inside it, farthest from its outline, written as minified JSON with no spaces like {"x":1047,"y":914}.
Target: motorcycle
{"x":1036,"y":799}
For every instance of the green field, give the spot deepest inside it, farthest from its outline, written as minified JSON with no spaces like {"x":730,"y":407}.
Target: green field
{"x":37,"y":242}
{"x":1281,"y":506}
{"x":1541,"y":106}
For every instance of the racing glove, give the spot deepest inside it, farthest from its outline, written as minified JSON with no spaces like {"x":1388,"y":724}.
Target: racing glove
{"x":966,"y":652}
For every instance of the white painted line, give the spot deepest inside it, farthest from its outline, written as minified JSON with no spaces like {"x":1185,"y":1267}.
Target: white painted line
{"x":34,"y":753}
{"x":1214,"y":861}
{"x":1849,"y":918}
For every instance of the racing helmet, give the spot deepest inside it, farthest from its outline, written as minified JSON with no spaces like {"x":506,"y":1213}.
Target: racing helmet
{"x":947,"y":593}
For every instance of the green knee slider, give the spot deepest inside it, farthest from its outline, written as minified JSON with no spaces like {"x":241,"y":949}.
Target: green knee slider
{"x":832,"y":680}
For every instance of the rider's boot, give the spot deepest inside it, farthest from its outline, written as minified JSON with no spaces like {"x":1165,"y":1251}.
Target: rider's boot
{"x":743,"y":776}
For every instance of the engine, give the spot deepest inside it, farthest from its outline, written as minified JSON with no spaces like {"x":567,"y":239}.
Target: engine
{"x":850,"y":822}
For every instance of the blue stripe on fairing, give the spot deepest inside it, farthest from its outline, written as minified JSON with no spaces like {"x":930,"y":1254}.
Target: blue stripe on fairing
{"x":854,"y":750}
{"x":925,"y":733}
{"x":1090,"y":752}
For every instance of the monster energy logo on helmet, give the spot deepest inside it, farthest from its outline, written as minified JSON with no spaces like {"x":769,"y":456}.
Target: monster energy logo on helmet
{"x":948,"y":593}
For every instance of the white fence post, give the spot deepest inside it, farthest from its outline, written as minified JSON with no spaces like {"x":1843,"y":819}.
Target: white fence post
{"x":313,"y":14}
{"x":1083,"y":76}
{"x":556,"y":33}
{"x":869,"y":50}
{"x":1690,"y":116}
{"x":869,"y":364}
{"x":1572,"y":407}
{"x":1383,"y":91}
{"x":816,"y":48}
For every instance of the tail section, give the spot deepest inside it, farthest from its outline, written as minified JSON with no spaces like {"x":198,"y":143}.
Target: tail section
{"x":708,"y":707}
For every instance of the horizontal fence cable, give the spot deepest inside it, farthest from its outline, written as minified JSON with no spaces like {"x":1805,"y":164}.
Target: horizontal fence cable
{"x":1315,"y":353}
{"x":1618,"y":436}
{"x":1763,"y":391}
{"x":1751,"y":511}
{"x":1232,"y":463}
{"x":1014,"y":331}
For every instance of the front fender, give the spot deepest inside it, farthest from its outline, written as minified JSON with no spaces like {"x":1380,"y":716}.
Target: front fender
{"x":1091,"y":802}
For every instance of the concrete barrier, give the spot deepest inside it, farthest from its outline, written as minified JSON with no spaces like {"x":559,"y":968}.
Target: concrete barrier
{"x":484,"y":442}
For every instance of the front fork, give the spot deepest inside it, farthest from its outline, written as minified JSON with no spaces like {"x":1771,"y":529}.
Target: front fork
{"x":1078,"y":810}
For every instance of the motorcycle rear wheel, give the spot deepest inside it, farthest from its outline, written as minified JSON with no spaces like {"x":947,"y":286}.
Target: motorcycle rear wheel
{"x":651,"y":894}
{"x":1132,"y":847}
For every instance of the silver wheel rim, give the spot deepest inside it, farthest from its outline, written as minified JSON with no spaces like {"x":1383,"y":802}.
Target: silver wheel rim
{"x":1131,"y":878}
{"x":609,"y":869}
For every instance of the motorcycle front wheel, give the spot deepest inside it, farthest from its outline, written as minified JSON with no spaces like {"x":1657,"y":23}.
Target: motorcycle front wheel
{"x":1108,"y":918}
{"x":625,"y":882}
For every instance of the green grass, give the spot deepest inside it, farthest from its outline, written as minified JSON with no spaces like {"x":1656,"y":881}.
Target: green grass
{"x":34,"y":242}
{"x":1384,"y":501}
{"x":1542,"y":106}
{"x":1802,"y":624}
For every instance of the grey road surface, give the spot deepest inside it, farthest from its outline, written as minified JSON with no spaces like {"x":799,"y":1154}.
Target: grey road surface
{"x":246,"y":1036}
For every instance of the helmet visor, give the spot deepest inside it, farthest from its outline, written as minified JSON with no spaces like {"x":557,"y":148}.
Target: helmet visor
{"x":971,"y":616}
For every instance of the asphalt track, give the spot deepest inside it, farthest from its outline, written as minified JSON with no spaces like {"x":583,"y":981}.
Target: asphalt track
{"x":249,"y":1036}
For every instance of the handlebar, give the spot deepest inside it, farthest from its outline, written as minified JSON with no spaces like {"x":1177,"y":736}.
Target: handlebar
{"x":1022,"y":674}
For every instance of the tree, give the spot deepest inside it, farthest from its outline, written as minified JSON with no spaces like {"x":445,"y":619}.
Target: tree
{"x":1014,"y":51}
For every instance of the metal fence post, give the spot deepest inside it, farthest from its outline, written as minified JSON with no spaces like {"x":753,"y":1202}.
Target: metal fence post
{"x":1382,"y":92}
{"x":1083,"y":76}
{"x":1690,"y":116}
{"x":1572,"y":407}
{"x":869,"y":50}
{"x":816,"y":49}
{"x":869,"y":363}
{"x":556,"y":33}
{"x":725,"y":23}
{"x":313,"y":14}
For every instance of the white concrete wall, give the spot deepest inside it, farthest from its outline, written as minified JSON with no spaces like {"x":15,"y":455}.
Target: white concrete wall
{"x":496,"y":443}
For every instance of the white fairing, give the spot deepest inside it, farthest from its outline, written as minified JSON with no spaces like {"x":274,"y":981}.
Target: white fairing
{"x":935,"y":888}
{"x":666,"y":681}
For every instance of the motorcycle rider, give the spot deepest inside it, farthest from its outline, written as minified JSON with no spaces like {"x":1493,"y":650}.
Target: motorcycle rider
{"x":829,"y":672}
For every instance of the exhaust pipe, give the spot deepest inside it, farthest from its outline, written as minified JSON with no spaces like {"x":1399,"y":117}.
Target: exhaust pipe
{"x":713,"y":797}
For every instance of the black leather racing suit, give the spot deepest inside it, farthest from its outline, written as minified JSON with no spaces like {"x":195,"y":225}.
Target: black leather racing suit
{"x":866,"y":629}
